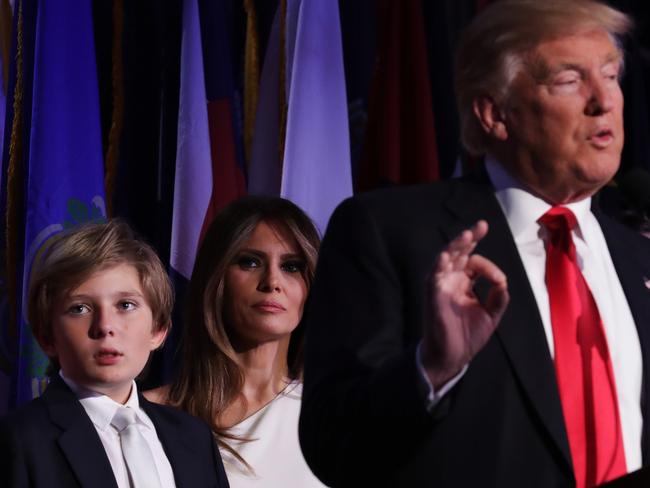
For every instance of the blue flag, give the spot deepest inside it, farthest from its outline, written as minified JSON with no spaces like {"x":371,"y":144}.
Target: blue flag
{"x":58,"y":165}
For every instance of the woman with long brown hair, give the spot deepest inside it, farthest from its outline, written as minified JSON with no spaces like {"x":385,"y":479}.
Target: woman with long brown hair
{"x":241,"y":362}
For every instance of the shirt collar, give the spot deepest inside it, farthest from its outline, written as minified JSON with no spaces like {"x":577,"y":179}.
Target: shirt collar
{"x":101,"y":408}
{"x":521,"y":208}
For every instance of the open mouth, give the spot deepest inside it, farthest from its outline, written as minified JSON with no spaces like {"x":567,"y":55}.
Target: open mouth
{"x":107,"y":357}
{"x":108,"y":353}
{"x":602,"y":138}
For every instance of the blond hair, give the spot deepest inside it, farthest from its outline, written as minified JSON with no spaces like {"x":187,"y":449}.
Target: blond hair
{"x":492,"y":47}
{"x":75,"y":255}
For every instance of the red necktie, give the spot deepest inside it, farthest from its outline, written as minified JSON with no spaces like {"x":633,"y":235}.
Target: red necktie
{"x":582,"y":363}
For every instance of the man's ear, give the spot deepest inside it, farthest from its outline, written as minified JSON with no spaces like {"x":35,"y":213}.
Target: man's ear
{"x":158,"y":337}
{"x":491,"y":117}
{"x":47,"y":344}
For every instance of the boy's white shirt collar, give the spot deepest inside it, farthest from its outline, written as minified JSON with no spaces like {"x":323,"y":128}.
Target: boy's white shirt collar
{"x":101,"y":408}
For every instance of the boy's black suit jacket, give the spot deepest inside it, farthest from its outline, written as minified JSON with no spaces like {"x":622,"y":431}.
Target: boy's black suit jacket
{"x":51,"y":442}
{"x":363,"y":419}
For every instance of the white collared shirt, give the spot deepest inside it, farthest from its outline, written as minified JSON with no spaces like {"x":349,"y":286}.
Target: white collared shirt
{"x":101,"y":409}
{"x":522,"y":210}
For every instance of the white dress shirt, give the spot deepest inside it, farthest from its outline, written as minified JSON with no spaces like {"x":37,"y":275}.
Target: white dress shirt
{"x":522,"y":210}
{"x":100,"y":408}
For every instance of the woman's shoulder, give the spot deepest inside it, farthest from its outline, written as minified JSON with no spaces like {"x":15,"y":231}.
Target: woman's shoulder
{"x":293,"y":390}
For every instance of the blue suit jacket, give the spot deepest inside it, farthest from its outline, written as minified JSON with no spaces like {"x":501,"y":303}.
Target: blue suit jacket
{"x":51,"y":442}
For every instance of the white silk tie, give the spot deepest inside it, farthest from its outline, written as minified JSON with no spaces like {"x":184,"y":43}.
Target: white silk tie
{"x":137,"y":455}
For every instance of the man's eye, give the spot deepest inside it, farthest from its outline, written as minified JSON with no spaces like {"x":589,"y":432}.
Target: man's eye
{"x":566,"y":81}
{"x":78,"y":309}
{"x":293,"y":266}
{"x":248,"y":262}
{"x":127,"y":305}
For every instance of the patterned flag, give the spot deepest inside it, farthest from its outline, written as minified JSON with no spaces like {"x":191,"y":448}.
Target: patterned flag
{"x":55,"y":169}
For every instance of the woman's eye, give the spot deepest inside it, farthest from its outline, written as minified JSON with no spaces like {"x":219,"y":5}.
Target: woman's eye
{"x":293,"y":266}
{"x":78,"y":309}
{"x":248,"y":262}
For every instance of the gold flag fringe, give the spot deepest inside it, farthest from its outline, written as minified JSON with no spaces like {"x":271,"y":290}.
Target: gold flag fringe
{"x":117,"y":119}
{"x":283,"y":80}
{"x":15,"y":192}
{"x":251,"y":77}
{"x":5,"y":41}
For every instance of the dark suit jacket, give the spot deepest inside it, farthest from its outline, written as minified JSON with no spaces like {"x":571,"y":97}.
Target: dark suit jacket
{"x":51,"y":442}
{"x":363,"y":419}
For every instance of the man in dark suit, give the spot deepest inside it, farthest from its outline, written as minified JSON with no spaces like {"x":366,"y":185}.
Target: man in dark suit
{"x":99,"y":303}
{"x":442,"y":355}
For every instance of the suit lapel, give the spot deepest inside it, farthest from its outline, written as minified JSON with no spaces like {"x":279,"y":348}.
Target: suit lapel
{"x":633,"y":273}
{"x":520,"y":332}
{"x":181,"y":455}
{"x":79,"y":440}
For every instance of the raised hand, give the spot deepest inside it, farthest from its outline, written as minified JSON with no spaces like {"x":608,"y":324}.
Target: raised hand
{"x":457,"y":325}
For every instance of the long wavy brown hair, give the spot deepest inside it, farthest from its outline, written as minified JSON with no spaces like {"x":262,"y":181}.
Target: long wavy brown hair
{"x":209,"y":379}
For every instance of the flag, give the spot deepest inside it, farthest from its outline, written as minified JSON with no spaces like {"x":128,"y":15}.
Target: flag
{"x":316,"y":172}
{"x":225,"y":114}
{"x":400,"y":144}
{"x":209,"y":157}
{"x":5,"y":339}
{"x":5,"y":48}
{"x":209,"y":151}
{"x":193,"y":179}
{"x":193,"y":175}
{"x":313,"y":170}
{"x":265,"y":167}
{"x":56,"y":169}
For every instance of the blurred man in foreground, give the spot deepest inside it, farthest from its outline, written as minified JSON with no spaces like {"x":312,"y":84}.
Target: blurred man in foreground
{"x":492,"y":330}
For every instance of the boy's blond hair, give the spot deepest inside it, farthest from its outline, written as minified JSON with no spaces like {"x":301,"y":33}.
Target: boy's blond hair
{"x":75,"y":255}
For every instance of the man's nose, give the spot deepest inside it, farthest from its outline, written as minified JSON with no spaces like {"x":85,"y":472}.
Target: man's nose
{"x":103,"y":323}
{"x":602,"y":96}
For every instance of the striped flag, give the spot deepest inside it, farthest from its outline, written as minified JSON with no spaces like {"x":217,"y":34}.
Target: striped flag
{"x":209,"y":155}
{"x":55,"y":168}
{"x":225,"y":117}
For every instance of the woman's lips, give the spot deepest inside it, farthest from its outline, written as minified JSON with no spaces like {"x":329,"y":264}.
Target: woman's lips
{"x":269,"y":306}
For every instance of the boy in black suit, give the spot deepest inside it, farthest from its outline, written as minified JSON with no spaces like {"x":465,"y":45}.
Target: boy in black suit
{"x":99,"y":304}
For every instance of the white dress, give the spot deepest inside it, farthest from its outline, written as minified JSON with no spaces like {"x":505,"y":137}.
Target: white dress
{"x":274,"y":451}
